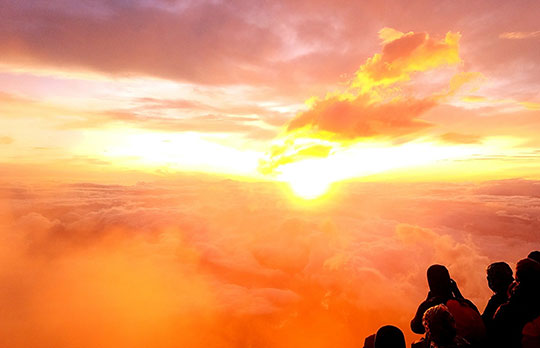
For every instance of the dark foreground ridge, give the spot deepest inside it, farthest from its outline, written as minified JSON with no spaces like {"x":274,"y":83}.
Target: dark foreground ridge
{"x":447,"y":319}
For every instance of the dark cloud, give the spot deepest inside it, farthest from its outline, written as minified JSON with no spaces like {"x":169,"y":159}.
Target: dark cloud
{"x":205,"y":42}
{"x":282,"y":44}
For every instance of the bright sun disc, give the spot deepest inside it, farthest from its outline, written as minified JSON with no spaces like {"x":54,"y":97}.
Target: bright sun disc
{"x":308,"y":189}
{"x":306,"y":178}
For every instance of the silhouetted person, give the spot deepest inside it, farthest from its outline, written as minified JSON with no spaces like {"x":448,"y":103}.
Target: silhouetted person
{"x":535,"y":255}
{"x":499,"y":277}
{"x":522,"y":307}
{"x":444,"y":290}
{"x":369,"y":342}
{"x":440,"y":328}
{"x":441,"y":289}
{"x":531,"y":330}
{"x":531,"y":334}
{"x":389,"y":337}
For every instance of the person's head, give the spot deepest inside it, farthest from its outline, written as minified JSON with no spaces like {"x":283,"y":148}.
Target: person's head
{"x":499,"y":277}
{"x":439,"y":324}
{"x":535,"y":255}
{"x":438,"y":280}
{"x":528,"y":274}
{"x":389,"y":337}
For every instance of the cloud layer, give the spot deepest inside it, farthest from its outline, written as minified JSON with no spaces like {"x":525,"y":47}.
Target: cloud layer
{"x":211,"y":263}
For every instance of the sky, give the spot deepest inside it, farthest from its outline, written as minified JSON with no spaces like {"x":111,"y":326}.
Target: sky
{"x":270,"y":90}
{"x":258,"y":173}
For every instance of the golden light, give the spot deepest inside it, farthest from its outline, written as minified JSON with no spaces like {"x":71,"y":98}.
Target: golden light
{"x":311,"y":178}
{"x":309,"y":174}
{"x":190,"y":151}
{"x":304,"y":180}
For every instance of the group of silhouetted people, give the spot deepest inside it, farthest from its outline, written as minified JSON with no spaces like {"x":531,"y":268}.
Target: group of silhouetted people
{"x":448,"y":320}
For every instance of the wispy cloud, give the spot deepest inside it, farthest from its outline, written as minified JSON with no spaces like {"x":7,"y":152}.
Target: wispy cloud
{"x":151,"y":115}
{"x":6,"y":140}
{"x":520,"y":35}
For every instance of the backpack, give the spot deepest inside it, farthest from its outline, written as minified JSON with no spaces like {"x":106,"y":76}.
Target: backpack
{"x":469,"y":323}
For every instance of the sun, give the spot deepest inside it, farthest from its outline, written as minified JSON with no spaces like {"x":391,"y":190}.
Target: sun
{"x":308,"y":179}
{"x":309,"y":188}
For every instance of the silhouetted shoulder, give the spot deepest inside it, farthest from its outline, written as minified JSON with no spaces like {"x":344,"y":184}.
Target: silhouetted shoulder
{"x":531,"y":334}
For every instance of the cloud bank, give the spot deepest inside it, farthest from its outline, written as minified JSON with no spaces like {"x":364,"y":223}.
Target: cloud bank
{"x":209,"y":263}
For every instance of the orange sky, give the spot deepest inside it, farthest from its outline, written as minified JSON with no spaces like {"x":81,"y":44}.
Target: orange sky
{"x":149,"y":148}
{"x":423,"y":90}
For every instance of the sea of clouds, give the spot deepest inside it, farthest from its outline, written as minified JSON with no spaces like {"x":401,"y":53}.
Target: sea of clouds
{"x":204,"y":262}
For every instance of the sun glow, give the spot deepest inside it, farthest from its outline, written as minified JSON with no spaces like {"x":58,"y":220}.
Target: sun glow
{"x":188,"y":151}
{"x":309,"y":166}
{"x":311,"y":178}
{"x":304,"y":180}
